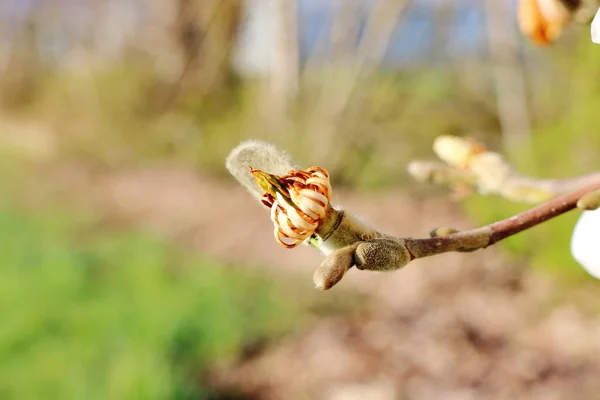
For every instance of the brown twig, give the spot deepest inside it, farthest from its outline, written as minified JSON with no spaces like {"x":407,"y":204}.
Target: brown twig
{"x":487,"y":235}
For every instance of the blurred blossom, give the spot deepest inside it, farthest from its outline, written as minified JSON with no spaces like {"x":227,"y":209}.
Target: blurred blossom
{"x":596,"y":28}
{"x":585,"y":242}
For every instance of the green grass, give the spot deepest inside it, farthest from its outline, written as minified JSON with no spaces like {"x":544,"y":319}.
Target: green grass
{"x":106,"y":315}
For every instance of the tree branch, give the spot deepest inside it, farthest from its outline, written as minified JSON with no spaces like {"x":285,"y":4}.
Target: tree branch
{"x":346,"y":241}
{"x":485,"y":236}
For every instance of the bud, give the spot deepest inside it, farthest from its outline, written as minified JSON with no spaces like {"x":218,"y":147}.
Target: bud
{"x":457,"y":151}
{"x":590,"y":201}
{"x":298,"y":202}
{"x":491,"y":170}
{"x":543,"y":20}
{"x":333,"y":267}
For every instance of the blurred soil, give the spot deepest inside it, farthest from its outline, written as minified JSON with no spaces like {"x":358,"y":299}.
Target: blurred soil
{"x":455,"y":326}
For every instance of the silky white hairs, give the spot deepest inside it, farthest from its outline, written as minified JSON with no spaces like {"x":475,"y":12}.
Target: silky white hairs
{"x":259,"y":155}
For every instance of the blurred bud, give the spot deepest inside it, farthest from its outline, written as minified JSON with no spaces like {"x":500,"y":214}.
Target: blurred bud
{"x":333,"y":267}
{"x":298,"y":202}
{"x":585,"y":242}
{"x":590,"y":201}
{"x":457,"y":151}
{"x":543,"y":20}
{"x":442,"y":231}
{"x":596,"y":28}
{"x":491,"y":171}
{"x":441,"y":174}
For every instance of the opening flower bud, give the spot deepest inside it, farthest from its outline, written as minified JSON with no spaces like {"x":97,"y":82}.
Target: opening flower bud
{"x":298,"y":202}
{"x":543,"y":20}
{"x":457,"y":151}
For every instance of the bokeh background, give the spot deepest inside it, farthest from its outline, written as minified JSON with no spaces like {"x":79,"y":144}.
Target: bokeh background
{"x":133,"y":267}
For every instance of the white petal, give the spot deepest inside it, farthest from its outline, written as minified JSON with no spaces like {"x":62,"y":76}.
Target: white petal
{"x":286,"y":240}
{"x":284,"y":227}
{"x":310,"y":207}
{"x":308,"y":211}
{"x":314,"y":195}
{"x":324,"y":183}
{"x":298,"y":221}
{"x":274,"y":208}
{"x":585,"y":242}
{"x":290,"y":209}
{"x":596,"y":28}
{"x":282,"y":200}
